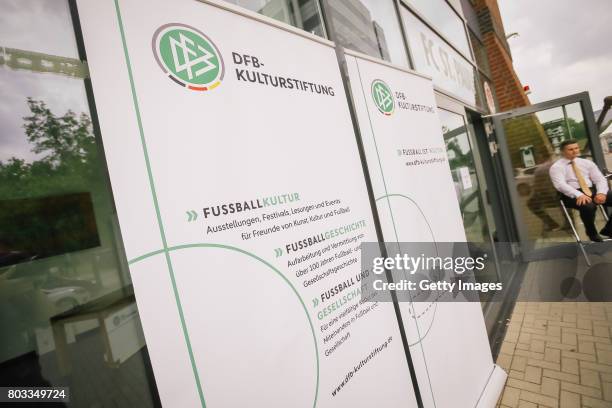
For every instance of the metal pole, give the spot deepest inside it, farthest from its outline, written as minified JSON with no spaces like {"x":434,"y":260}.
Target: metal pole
{"x":604,"y":111}
{"x":576,"y":236}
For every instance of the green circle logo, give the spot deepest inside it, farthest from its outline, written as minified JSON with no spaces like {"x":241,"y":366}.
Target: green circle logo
{"x":188,"y":57}
{"x":383,"y":97}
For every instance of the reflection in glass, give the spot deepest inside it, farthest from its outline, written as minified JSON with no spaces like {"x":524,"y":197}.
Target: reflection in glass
{"x":445,"y":21}
{"x":480,"y":52}
{"x":432,"y":56}
{"x":467,"y":188}
{"x":47,"y":226}
{"x":58,"y":252}
{"x":67,"y":311}
{"x":39,"y":25}
{"x":60,"y":94}
{"x":304,"y":14}
{"x":370,"y":27}
{"x":576,"y":128}
{"x":480,"y":93}
{"x":461,"y":162}
{"x":534,"y":145}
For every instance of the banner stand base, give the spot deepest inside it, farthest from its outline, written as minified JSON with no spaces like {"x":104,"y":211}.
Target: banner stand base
{"x":493,"y":389}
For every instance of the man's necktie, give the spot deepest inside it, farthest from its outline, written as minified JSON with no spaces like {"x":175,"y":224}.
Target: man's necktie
{"x":581,"y":181}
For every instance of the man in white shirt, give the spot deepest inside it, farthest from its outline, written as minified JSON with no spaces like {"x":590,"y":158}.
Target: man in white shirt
{"x":582,"y":186}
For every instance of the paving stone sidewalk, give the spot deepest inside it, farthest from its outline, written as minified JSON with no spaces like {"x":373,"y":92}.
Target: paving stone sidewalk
{"x":558,"y":355}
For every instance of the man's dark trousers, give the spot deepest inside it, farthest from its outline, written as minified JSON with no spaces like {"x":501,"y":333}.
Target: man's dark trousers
{"x":587,"y":213}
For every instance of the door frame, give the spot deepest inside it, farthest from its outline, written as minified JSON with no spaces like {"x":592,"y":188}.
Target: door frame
{"x":488,"y":174}
{"x":449,"y":105}
{"x":497,"y":119}
{"x":497,"y":190}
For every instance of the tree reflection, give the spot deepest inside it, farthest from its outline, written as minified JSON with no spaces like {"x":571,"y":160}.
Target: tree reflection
{"x":47,"y":205}
{"x":69,"y":162}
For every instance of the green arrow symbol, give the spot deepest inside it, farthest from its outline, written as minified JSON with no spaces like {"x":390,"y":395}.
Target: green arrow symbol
{"x":191,"y":215}
{"x":315,"y":302}
{"x":278,"y":252}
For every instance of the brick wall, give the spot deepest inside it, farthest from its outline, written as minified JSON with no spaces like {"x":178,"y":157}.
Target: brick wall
{"x":506,"y":83}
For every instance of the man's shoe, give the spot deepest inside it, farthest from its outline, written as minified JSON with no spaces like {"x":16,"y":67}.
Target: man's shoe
{"x":606,"y":232}
{"x":596,"y":238}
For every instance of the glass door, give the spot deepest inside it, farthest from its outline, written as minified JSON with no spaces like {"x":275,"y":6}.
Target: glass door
{"x":470,"y":185}
{"x":529,"y":141}
{"x":463,"y":169}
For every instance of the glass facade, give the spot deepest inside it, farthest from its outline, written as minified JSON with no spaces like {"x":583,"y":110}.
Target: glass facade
{"x":44,"y":26}
{"x":67,"y":311}
{"x":441,"y":15}
{"x":432,"y":56}
{"x":370,"y":27}
{"x":304,"y":14}
{"x":480,"y":53}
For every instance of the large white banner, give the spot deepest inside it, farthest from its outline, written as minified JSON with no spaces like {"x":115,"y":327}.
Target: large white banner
{"x":242,"y":206}
{"x":416,"y":201}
